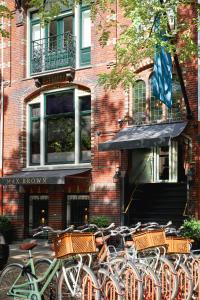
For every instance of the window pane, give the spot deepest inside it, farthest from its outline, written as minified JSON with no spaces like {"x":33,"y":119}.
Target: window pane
{"x":60,"y":103}
{"x":164,"y":163}
{"x":68,"y":24}
{"x":175,"y":112}
{"x":156,"y":106}
{"x":53,"y":35}
{"x":60,"y":139}
{"x":34,"y":16}
{"x":85,"y":103}
{"x":35,"y":142}
{"x":85,"y":128}
{"x":139,"y":102}
{"x":35,"y":110}
{"x":36,"y":32}
{"x":86,"y":29}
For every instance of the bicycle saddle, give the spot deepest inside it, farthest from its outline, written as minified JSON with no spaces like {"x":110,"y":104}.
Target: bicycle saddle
{"x":28,"y":246}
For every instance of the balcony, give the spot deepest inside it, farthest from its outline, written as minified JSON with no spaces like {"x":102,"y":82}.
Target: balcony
{"x":53,"y":54}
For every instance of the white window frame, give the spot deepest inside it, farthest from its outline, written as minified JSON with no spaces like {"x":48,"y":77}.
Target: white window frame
{"x":40,"y":99}
{"x":173,"y":163}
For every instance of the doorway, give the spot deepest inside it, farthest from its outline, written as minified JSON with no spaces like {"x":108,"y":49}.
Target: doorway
{"x":77,"y":210}
{"x":38,"y":211}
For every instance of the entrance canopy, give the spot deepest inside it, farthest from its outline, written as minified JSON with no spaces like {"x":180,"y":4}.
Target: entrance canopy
{"x":40,"y":177}
{"x":144,"y":136}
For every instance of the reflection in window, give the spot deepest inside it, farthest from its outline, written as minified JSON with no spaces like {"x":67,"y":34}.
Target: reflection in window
{"x":85,"y":128}
{"x":60,"y":139}
{"x":164,"y":163}
{"x":156,"y":106}
{"x":139,"y":102}
{"x":174,"y":113}
{"x":60,"y":127}
{"x":35,"y":134}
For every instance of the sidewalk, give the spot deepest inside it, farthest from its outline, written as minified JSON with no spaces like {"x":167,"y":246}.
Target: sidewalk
{"x":40,"y":251}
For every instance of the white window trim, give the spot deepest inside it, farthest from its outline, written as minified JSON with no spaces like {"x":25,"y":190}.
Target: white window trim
{"x":173,"y":163}
{"x":77,"y":93}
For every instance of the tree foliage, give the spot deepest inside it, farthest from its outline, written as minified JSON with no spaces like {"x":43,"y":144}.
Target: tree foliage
{"x":4,"y":14}
{"x":136,"y":37}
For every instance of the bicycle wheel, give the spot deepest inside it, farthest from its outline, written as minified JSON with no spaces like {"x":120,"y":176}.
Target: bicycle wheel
{"x":41,"y":266}
{"x":185,"y":288}
{"x":12,"y":274}
{"x":129,"y":276}
{"x":78,"y":284}
{"x":110,"y":287}
{"x":151,"y":283}
{"x":168,"y":278}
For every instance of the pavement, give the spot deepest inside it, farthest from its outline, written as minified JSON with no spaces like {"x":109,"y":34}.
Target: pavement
{"x":41,"y":250}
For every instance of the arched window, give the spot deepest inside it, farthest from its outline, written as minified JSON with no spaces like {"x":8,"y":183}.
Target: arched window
{"x":139,"y":102}
{"x":156,"y":106}
{"x":174,"y":113}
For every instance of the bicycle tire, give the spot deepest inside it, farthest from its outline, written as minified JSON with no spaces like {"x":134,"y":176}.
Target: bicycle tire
{"x":87,"y":285}
{"x":110,"y":287}
{"x":41,"y":266}
{"x":151,"y":283}
{"x":9,"y":276}
{"x":130,"y":277}
{"x":169,"y":278}
{"x":185,"y":282}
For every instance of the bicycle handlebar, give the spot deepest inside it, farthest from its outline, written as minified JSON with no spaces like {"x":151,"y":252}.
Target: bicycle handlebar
{"x":42,"y":229}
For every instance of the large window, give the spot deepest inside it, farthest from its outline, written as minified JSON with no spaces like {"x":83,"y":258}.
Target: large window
{"x":60,"y":128}
{"x":61,"y":42}
{"x":139,"y":103}
{"x":147,"y":109}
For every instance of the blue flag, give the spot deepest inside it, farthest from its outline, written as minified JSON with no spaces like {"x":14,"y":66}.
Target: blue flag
{"x":162,"y":76}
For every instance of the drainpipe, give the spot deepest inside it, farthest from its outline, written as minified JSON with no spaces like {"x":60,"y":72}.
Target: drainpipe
{"x":1,"y":120}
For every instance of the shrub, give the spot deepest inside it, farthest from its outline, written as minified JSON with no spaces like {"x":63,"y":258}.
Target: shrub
{"x":6,"y":228}
{"x":191,"y":229}
{"x":100,"y":221}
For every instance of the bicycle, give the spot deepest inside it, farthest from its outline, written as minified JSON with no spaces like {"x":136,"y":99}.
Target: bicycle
{"x":75,"y":280}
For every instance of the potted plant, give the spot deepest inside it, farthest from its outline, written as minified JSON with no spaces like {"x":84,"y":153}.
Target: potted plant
{"x":6,"y":228}
{"x":191,"y":229}
{"x":100,"y":221}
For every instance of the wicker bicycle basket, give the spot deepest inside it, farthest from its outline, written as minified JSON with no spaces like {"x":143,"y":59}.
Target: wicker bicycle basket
{"x":149,"y":239}
{"x":74,"y":243}
{"x":179,"y":245}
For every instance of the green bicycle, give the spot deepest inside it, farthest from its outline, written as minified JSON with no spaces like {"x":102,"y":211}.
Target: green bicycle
{"x":71,"y":278}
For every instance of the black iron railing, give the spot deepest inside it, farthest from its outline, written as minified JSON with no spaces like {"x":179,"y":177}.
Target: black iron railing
{"x":52,"y":53}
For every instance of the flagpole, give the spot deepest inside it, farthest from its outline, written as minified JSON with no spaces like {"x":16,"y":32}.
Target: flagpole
{"x":180,"y":75}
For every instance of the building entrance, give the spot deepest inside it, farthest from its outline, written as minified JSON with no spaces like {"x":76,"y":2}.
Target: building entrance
{"x":38,"y":211}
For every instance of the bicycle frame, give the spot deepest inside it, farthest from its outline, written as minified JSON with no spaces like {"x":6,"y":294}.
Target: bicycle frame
{"x":22,"y":290}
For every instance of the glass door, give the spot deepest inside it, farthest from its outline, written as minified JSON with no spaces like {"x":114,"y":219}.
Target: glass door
{"x":59,"y":36}
{"x":77,"y":210}
{"x":38,"y":211}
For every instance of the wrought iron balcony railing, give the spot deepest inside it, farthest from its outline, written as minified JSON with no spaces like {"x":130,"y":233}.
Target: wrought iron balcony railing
{"x":52,"y":53}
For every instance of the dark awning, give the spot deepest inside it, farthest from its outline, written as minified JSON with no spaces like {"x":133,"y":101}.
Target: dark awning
{"x":40,"y":177}
{"x":144,"y":136}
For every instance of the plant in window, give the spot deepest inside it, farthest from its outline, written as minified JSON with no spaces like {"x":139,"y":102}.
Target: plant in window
{"x":86,"y":142}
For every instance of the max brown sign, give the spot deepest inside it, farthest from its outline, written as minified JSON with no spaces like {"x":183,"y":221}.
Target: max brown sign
{"x":28,"y":180}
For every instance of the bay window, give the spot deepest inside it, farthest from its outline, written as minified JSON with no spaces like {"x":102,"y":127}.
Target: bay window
{"x":59,"y":130}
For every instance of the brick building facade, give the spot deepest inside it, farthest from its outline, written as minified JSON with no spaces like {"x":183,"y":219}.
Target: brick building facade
{"x":52,"y":105}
